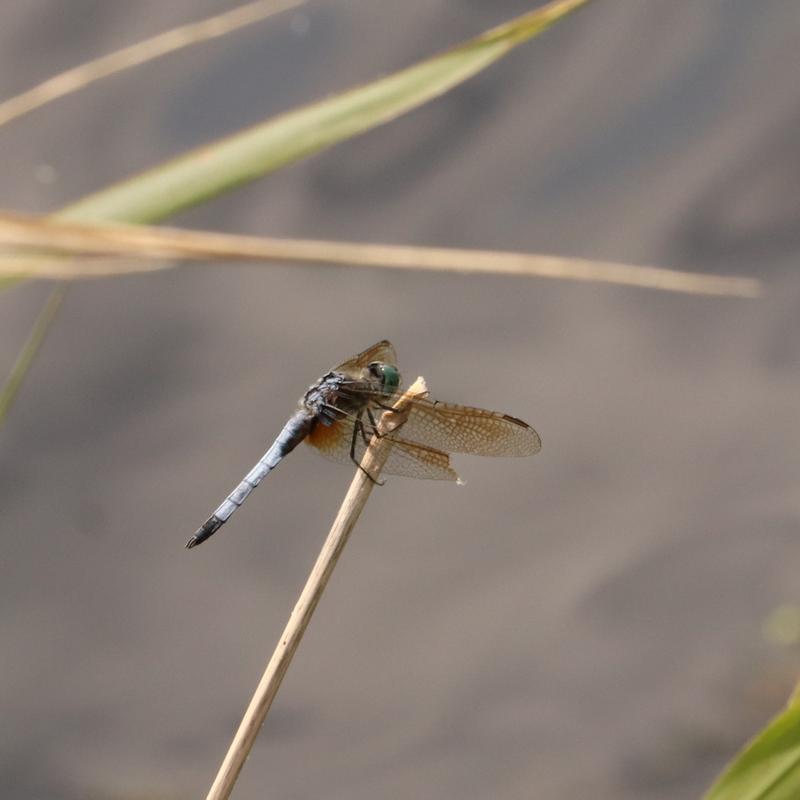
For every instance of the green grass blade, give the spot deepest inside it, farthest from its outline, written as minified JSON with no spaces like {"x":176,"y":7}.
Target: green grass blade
{"x":264,"y":148}
{"x":29,"y":350}
{"x":250,"y":154}
{"x":8,"y":281}
{"x":769,"y":766}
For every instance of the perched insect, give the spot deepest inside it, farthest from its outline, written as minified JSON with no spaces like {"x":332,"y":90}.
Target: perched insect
{"x":336,"y":415}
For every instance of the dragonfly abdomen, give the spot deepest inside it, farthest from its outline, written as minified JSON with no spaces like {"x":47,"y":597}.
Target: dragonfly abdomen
{"x":294,"y":431}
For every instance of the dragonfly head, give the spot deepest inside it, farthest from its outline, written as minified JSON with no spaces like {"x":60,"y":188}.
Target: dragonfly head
{"x":387,"y":374}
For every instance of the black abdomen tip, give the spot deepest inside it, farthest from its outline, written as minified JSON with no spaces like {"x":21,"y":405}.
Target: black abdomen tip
{"x":208,"y":528}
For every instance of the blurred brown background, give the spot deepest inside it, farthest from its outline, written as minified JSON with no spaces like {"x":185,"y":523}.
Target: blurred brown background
{"x":588,"y":623}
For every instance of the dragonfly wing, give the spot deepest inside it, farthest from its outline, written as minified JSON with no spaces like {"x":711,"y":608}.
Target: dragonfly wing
{"x":414,"y":461}
{"x":461,"y":429}
{"x":405,"y":458}
{"x":382,"y":351}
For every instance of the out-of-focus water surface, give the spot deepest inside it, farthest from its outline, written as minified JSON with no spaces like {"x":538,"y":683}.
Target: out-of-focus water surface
{"x":585,"y":623}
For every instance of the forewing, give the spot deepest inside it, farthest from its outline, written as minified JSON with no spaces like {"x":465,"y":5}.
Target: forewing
{"x":405,"y":458}
{"x":461,"y":429}
{"x":382,"y":351}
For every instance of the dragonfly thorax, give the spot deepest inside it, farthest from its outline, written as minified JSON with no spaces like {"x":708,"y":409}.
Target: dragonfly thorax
{"x":338,"y":394}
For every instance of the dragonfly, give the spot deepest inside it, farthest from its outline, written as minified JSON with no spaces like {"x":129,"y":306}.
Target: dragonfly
{"x":336,"y":415}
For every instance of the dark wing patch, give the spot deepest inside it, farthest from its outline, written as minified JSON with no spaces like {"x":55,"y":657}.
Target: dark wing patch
{"x":382,"y":351}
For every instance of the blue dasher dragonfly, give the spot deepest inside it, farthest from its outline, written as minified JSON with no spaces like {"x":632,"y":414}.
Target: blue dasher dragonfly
{"x":337,"y":416}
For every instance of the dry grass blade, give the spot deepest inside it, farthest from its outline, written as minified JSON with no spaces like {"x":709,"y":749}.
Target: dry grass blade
{"x":30,"y":234}
{"x":194,"y":33}
{"x":349,"y":512}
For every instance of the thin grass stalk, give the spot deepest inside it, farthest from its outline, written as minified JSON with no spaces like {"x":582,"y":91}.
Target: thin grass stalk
{"x":167,"y":42}
{"x":349,"y":512}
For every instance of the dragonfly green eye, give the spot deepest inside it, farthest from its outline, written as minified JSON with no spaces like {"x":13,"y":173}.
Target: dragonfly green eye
{"x":388,"y":374}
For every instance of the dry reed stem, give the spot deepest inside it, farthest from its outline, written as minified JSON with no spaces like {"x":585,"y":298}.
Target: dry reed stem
{"x":105,"y":241}
{"x":194,"y":33}
{"x":350,"y":510}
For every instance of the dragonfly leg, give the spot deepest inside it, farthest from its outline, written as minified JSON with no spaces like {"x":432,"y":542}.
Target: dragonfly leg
{"x":358,"y":427}
{"x":375,"y":431}
{"x":362,"y":428}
